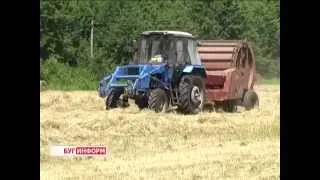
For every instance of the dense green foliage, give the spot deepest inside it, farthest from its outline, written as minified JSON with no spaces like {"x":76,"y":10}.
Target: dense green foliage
{"x":65,"y":28}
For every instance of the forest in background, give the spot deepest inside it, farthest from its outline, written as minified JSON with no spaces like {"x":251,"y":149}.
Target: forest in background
{"x":65,"y":30}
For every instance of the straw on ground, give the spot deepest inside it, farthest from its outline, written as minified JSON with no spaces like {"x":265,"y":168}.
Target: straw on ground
{"x":146,"y":145}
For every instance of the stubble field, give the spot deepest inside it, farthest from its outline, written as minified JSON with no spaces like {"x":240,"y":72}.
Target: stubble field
{"x":147,"y":145}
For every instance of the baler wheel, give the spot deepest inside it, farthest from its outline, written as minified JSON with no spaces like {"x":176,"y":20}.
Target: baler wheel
{"x":191,"y":94}
{"x":113,"y":100}
{"x":250,"y":100}
{"x":158,"y":100}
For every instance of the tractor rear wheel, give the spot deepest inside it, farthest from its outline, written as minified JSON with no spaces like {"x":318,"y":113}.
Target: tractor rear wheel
{"x":158,"y":100}
{"x":191,"y":94}
{"x":250,"y":100}
{"x":114,"y":101}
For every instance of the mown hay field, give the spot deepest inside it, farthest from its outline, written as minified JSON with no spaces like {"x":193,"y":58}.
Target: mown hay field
{"x":146,"y":145}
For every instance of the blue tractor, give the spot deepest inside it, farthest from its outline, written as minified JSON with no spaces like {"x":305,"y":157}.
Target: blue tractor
{"x":167,"y":72}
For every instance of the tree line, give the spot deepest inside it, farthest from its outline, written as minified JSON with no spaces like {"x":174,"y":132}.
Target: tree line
{"x":65,"y":29}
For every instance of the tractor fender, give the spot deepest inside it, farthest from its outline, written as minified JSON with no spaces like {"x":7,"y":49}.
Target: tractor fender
{"x":188,"y":69}
{"x":195,"y":70}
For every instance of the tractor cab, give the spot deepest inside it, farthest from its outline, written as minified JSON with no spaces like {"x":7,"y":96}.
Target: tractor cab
{"x":171,"y":47}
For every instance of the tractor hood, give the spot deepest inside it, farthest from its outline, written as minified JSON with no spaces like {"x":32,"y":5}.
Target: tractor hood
{"x":129,"y":75}
{"x":133,"y":72}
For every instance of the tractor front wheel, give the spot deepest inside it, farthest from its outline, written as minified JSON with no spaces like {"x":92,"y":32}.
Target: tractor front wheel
{"x":191,"y":94}
{"x":158,"y":100}
{"x":114,"y":100}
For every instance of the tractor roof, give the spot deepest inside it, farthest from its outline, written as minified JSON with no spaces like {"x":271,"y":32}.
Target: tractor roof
{"x":174,"y":33}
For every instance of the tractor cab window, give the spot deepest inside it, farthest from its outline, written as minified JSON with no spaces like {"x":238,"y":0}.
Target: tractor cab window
{"x":142,"y":49}
{"x":155,"y":47}
{"x":180,"y":58}
{"x":167,"y":49}
{"x":193,"y":52}
{"x":151,"y":50}
{"x":187,"y":52}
